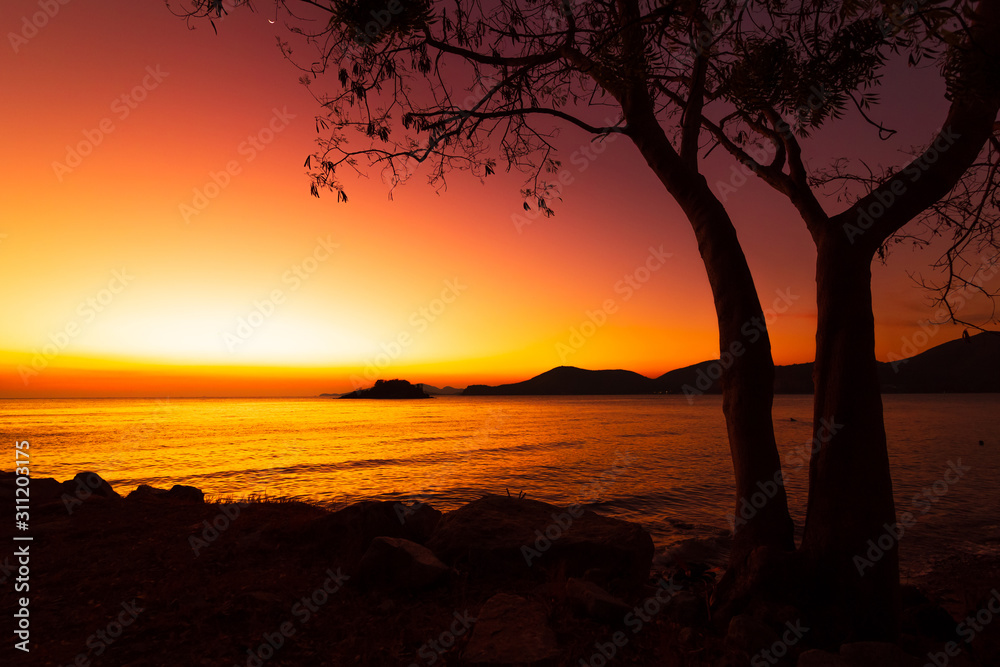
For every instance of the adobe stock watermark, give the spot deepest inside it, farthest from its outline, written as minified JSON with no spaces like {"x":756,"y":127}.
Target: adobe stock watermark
{"x":303,"y":611}
{"x":87,"y":311}
{"x":394,"y":174}
{"x":885,"y":196}
{"x":122,"y":107}
{"x":101,"y":641}
{"x":967,"y":629}
{"x":748,"y":507}
{"x":798,"y":459}
{"x":7,"y":569}
{"x":739,"y":174}
{"x":544,"y":538}
{"x":263,"y":309}
{"x":923,"y":501}
{"x":556,"y":16}
{"x":419,"y":320}
{"x":595,"y":489}
{"x":581,"y":158}
{"x":635,"y":620}
{"x":711,"y":29}
{"x":494,"y":422}
{"x":142,"y":431}
{"x":432,"y":650}
{"x":213,"y":529}
{"x":957,"y":301}
{"x":751,"y":331}
{"x":562,"y":521}
{"x":248,"y":150}
{"x":779,"y":649}
{"x":86,"y":486}
{"x":32,"y":25}
{"x":381,"y":18}
{"x":899,"y":15}
{"x":716,"y":25}
{"x":629,"y":284}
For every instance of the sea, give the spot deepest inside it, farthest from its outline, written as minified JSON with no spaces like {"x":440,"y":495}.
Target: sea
{"x":662,"y":461}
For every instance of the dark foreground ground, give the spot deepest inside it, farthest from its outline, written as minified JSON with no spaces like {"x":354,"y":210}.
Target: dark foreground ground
{"x":173,"y":581}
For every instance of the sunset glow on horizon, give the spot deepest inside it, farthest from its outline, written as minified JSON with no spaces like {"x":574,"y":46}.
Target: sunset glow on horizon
{"x":159,"y":238}
{"x":625,"y":299}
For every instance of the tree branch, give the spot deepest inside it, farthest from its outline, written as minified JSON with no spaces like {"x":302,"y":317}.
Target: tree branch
{"x":691,"y":120}
{"x":932,"y":175}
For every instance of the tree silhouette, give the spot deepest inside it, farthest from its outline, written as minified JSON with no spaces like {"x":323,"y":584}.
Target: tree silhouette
{"x":949,"y":187}
{"x":408,"y":87}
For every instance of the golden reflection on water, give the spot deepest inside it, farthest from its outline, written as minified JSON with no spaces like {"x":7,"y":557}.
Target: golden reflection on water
{"x":655,"y":459}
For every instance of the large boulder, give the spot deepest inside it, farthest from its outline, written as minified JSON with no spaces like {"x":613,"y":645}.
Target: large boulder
{"x":178,"y":492}
{"x":394,"y":563}
{"x":511,"y":630}
{"x":506,"y":536}
{"x":87,"y":484}
{"x":351,"y":530}
{"x":41,"y":489}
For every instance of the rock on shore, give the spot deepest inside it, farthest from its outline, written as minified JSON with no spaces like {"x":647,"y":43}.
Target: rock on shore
{"x":498,"y":581}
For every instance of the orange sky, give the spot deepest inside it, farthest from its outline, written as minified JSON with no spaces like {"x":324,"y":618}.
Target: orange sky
{"x":164,"y":243}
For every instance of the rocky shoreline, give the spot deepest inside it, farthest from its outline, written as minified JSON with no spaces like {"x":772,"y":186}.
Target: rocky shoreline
{"x":161,"y":577}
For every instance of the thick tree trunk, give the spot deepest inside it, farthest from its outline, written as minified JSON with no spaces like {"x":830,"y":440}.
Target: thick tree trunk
{"x":850,"y":505}
{"x":850,"y":539}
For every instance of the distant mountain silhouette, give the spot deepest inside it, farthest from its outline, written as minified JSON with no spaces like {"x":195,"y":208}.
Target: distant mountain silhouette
{"x":959,"y":366}
{"x":441,"y":391}
{"x":794,"y":379}
{"x":569,"y":380}
{"x":704,"y":378}
{"x":673,"y":382}
{"x":390,"y":389}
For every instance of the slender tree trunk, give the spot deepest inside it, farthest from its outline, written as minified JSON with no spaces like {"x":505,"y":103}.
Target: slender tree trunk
{"x":760,"y":516}
{"x":850,"y":505}
{"x":747,"y":369}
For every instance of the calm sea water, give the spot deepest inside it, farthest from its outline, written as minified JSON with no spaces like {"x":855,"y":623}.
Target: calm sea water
{"x":654,"y":459}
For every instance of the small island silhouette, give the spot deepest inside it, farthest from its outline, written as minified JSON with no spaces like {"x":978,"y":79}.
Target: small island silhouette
{"x":390,"y":389}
